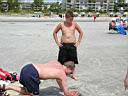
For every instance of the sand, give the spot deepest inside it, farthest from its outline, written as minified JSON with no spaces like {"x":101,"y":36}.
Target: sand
{"x":103,"y":57}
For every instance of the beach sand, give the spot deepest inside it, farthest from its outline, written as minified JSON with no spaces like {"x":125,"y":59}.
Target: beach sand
{"x":103,"y":57}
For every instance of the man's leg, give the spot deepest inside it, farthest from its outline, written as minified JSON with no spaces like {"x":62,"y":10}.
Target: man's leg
{"x":21,"y":90}
{"x":126,"y":81}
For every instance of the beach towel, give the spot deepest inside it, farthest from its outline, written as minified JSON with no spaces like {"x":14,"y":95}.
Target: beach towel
{"x":5,"y":75}
{"x":121,"y":30}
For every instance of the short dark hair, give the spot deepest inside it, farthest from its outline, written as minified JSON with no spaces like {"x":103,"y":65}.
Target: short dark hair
{"x":69,"y":64}
{"x":69,"y":13}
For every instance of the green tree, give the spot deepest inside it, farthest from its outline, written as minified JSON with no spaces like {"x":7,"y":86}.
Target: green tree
{"x":13,"y":4}
{"x":16,"y":5}
{"x":37,"y":5}
{"x":0,"y":5}
{"x":38,"y":2}
{"x":115,"y":7}
{"x":119,"y":4}
{"x":122,"y":1}
{"x":111,"y":1}
{"x":91,"y":1}
{"x":55,"y":7}
{"x":10,"y":3}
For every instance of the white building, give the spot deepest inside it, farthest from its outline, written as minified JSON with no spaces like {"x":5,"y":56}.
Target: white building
{"x":52,"y":1}
{"x":87,"y":4}
{"x":126,"y":1}
{"x":26,"y":1}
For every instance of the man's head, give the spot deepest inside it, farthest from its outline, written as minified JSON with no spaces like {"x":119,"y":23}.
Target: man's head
{"x":69,"y":16}
{"x":70,"y":66}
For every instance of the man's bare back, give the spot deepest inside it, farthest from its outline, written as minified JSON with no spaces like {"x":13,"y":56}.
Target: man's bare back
{"x":44,"y":70}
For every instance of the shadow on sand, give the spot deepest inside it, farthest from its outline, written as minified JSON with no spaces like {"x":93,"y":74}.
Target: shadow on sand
{"x":50,"y":91}
{"x":53,"y":91}
{"x":113,"y":33}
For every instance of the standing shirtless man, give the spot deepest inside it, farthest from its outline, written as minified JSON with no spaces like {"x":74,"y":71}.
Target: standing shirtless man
{"x":68,"y":43}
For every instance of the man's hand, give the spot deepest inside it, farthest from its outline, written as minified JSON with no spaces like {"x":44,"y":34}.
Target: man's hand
{"x":59,"y":45}
{"x":74,"y":77}
{"x":74,"y":93}
{"x":126,"y":83}
{"x":76,"y":44}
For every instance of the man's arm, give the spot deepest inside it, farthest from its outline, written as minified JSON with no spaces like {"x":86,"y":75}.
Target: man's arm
{"x":60,"y":84}
{"x":126,"y":81}
{"x":77,"y":27}
{"x":66,"y":91}
{"x":55,"y":35}
{"x":63,"y":85}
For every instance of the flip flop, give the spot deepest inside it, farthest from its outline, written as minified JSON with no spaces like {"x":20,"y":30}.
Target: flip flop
{"x":2,"y":90}
{"x":2,"y":87}
{"x":3,"y":84}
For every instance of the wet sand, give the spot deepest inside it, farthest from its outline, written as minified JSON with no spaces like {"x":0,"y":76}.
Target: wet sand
{"x":103,"y":57}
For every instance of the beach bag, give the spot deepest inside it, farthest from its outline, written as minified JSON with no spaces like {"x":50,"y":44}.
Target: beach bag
{"x":5,"y":75}
{"x":121,"y":30}
{"x":14,"y":76}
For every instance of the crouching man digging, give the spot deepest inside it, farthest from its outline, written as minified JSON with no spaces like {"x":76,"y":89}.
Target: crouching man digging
{"x":31,"y":75}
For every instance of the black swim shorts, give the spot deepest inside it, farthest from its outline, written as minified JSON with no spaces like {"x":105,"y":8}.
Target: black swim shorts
{"x":68,"y":52}
{"x":29,"y":78}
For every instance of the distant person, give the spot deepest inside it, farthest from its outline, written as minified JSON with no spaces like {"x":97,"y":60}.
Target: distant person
{"x":112,"y":25}
{"x":127,"y":26}
{"x":68,"y":43}
{"x":31,"y":75}
{"x":124,"y":24}
{"x":94,"y":18}
{"x":126,"y":81}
